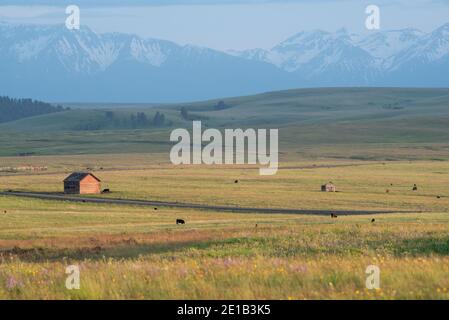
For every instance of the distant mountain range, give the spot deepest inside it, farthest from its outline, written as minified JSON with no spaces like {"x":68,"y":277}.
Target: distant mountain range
{"x":53,"y":63}
{"x":406,"y":57}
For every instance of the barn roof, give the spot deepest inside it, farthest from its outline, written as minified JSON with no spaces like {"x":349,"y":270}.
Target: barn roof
{"x":79,"y":176}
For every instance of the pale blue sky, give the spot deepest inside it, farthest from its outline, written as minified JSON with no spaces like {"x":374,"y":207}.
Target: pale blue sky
{"x":229,"y":24}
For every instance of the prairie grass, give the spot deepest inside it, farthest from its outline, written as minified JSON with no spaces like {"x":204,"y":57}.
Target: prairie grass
{"x":362,"y":185}
{"x":131,"y":252}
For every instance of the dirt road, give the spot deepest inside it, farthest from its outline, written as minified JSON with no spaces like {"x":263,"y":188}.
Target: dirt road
{"x":62,"y":197}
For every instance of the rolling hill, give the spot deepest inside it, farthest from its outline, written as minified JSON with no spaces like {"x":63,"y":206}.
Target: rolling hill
{"x":306,"y":118}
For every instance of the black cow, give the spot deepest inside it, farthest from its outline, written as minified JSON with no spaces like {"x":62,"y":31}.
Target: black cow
{"x":180,"y":221}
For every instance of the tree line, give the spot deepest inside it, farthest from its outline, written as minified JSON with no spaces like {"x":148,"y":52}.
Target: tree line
{"x":140,"y":120}
{"x":187,"y":115}
{"x":113,"y":120}
{"x":14,"y":109}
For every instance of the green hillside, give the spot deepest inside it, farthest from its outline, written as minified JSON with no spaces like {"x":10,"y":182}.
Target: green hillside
{"x":13,"y":109}
{"x":306,"y":118}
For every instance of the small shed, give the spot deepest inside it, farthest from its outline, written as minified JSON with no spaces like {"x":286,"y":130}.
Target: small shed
{"x":328,"y":187}
{"x":82,"y":183}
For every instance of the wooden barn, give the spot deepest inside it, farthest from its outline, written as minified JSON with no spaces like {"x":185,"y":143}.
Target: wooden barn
{"x":82,"y":183}
{"x":328,"y":187}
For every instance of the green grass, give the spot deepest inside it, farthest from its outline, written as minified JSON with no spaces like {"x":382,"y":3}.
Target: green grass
{"x":362,"y":185}
{"x":364,"y":140}
{"x":306,"y":118}
{"x":218,"y":256}
{"x":132,"y":252}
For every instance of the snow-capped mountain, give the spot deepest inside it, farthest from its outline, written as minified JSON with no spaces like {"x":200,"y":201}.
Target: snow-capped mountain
{"x":383,"y":45}
{"x":430,"y":48}
{"x":82,"y":51}
{"x":303,"y":48}
{"x":56,"y":64}
{"x":325,"y":57}
{"x":397,"y":57}
{"x":427,"y":60}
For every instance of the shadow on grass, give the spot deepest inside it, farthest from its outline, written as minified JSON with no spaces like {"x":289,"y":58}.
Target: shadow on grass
{"x":128,"y":251}
{"x":131,"y":249}
{"x":423,"y":246}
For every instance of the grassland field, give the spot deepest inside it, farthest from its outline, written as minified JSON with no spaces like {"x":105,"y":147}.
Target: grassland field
{"x":134,"y":252}
{"x":373,"y":144}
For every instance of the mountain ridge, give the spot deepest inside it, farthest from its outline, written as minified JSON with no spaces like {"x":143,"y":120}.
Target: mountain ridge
{"x":52,"y":63}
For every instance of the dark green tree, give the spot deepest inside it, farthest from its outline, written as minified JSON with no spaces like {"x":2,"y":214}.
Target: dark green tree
{"x":184,"y":113}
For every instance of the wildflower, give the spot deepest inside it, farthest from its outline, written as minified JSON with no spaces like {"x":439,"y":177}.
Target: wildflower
{"x":228,"y":262}
{"x":12,"y":283}
{"x":298,"y":268}
{"x":183,"y":271}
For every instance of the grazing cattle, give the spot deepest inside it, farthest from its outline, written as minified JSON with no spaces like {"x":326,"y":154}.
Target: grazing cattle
{"x":236,"y":181}
{"x":334,"y":216}
{"x":4,"y":212}
{"x":328,"y":187}
{"x":373,"y":220}
{"x":155,"y":208}
{"x":388,"y":191}
{"x":180,"y":221}
{"x":415,"y":187}
{"x":256,"y":225}
{"x":438,"y":197}
{"x":106,"y":191}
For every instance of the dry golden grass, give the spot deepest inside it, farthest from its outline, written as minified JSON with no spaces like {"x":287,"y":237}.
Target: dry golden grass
{"x":361,"y":185}
{"x":139,"y":253}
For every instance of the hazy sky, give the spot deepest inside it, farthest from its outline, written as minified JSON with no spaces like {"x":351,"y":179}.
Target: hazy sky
{"x":229,"y":24}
